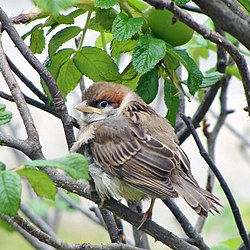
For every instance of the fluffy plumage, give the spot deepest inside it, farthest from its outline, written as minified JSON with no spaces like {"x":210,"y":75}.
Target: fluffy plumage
{"x":136,"y":153}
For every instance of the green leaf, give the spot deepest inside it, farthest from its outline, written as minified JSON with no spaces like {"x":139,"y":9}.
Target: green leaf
{"x":96,"y":64}
{"x":61,"y":37}
{"x":105,"y":4}
{"x":130,"y":76}
{"x":124,"y":28}
{"x":10,"y":192}
{"x":37,"y":41}
{"x":2,"y":166}
{"x":171,"y":100}
{"x":40,"y":182}
{"x":103,"y":20}
{"x":220,"y":247}
{"x":54,"y":65}
{"x":103,"y":39}
{"x":211,"y":79}
{"x":233,"y":70}
{"x":36,"y":27}
{"x":75,"y":165}
{"x":139,"y":5}
{"x":122,"y":47}
{"x":147,"y":53}
{"x":181,"y":2}
{"x":194,"y":74}
{"x":54,"y":6}
{"x":147,"y":87}
{"x":68,"y":77}
{"x":5,"y":116}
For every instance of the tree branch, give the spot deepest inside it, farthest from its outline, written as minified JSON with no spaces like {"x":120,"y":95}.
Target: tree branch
{"x":26,"y":81}
{"x":149,"y":227}
{"x":44,"y":73}
{"x":56,"y":243}
{"x":222,"y":182}
{"x":189,"y":230}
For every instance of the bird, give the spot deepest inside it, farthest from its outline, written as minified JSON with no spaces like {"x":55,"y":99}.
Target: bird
{"x":134,"y":152}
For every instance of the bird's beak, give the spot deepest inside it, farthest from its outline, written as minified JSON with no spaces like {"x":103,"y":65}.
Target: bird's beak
{"x":82,"y":107}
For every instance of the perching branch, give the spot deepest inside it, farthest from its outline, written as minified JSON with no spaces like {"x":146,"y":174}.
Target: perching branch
{"x":223,"y":183}
{"x":149,"y":227}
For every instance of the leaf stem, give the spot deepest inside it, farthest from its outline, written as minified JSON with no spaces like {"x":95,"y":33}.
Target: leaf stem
{"x":84,"y":30}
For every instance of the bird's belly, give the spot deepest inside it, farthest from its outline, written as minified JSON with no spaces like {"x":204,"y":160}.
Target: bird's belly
{"x":110,"y":186}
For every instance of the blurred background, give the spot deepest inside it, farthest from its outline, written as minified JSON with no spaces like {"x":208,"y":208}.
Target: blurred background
{"x":232,"y":155}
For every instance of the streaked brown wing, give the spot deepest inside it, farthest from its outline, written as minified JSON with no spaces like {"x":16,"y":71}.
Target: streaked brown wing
{"x":124,"y":150}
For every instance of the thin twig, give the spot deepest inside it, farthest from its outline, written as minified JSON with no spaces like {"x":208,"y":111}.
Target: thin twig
{"x":212,"y":136}
{"x":39,"y":105}
{"x":189,"y":230}
{"x":112,"y":228}
{"x":55,"y":242}
{"x":223,"y":183}
{"x":37,"y":220}
{"x":27,"y":82}
{"x":78,"y":207}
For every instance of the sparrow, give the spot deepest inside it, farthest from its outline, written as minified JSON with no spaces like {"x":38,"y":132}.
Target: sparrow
{"x":134,"y":152}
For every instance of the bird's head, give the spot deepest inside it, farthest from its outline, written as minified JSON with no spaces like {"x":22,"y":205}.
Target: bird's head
{"x":103,"y":100}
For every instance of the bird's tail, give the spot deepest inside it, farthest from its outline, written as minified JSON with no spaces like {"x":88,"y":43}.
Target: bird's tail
{"x":197,"y":198}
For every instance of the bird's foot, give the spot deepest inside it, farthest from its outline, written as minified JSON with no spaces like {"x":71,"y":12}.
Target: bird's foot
{"x":146,"y":216}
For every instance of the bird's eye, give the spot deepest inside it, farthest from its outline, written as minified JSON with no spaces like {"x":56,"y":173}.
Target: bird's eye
{"x":103,"y":104}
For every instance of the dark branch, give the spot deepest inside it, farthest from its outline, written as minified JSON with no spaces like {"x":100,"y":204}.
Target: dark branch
{"x":27,"y":82}
{"x":39,"y":105}
{"x":222,"y":182}
{"x":45,"y":75}
{"x":189,"y":230}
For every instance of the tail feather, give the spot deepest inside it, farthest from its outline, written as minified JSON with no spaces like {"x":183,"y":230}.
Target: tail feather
{"x":197,"y":198}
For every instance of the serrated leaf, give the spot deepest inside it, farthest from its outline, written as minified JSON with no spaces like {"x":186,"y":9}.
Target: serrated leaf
{"x":61,"y":37}
{"x":124,"y":27}
{"x":96,"y":64}
{"x":10,"y":192}
{"x":105,"y":4}
{"x":103,"y":20}
{"x":211,"y":79}
{"x":147,"y":53}
{"x":37,"y":41}
{"x":181,"y":2}
{"x":130,"y":76}
{"x":122,"y":47}
{"x":103,"y":39}
{"x":75,"y":165}
{"x":40,"y":182}
{"x":2,"y":166}
{"x":5,"y":116}
{"x":171,"y":100}
{"x":54,"y":6}
{"x":147,"y":87}
{"x":68,"y":77}
{"x":194,"y":74}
